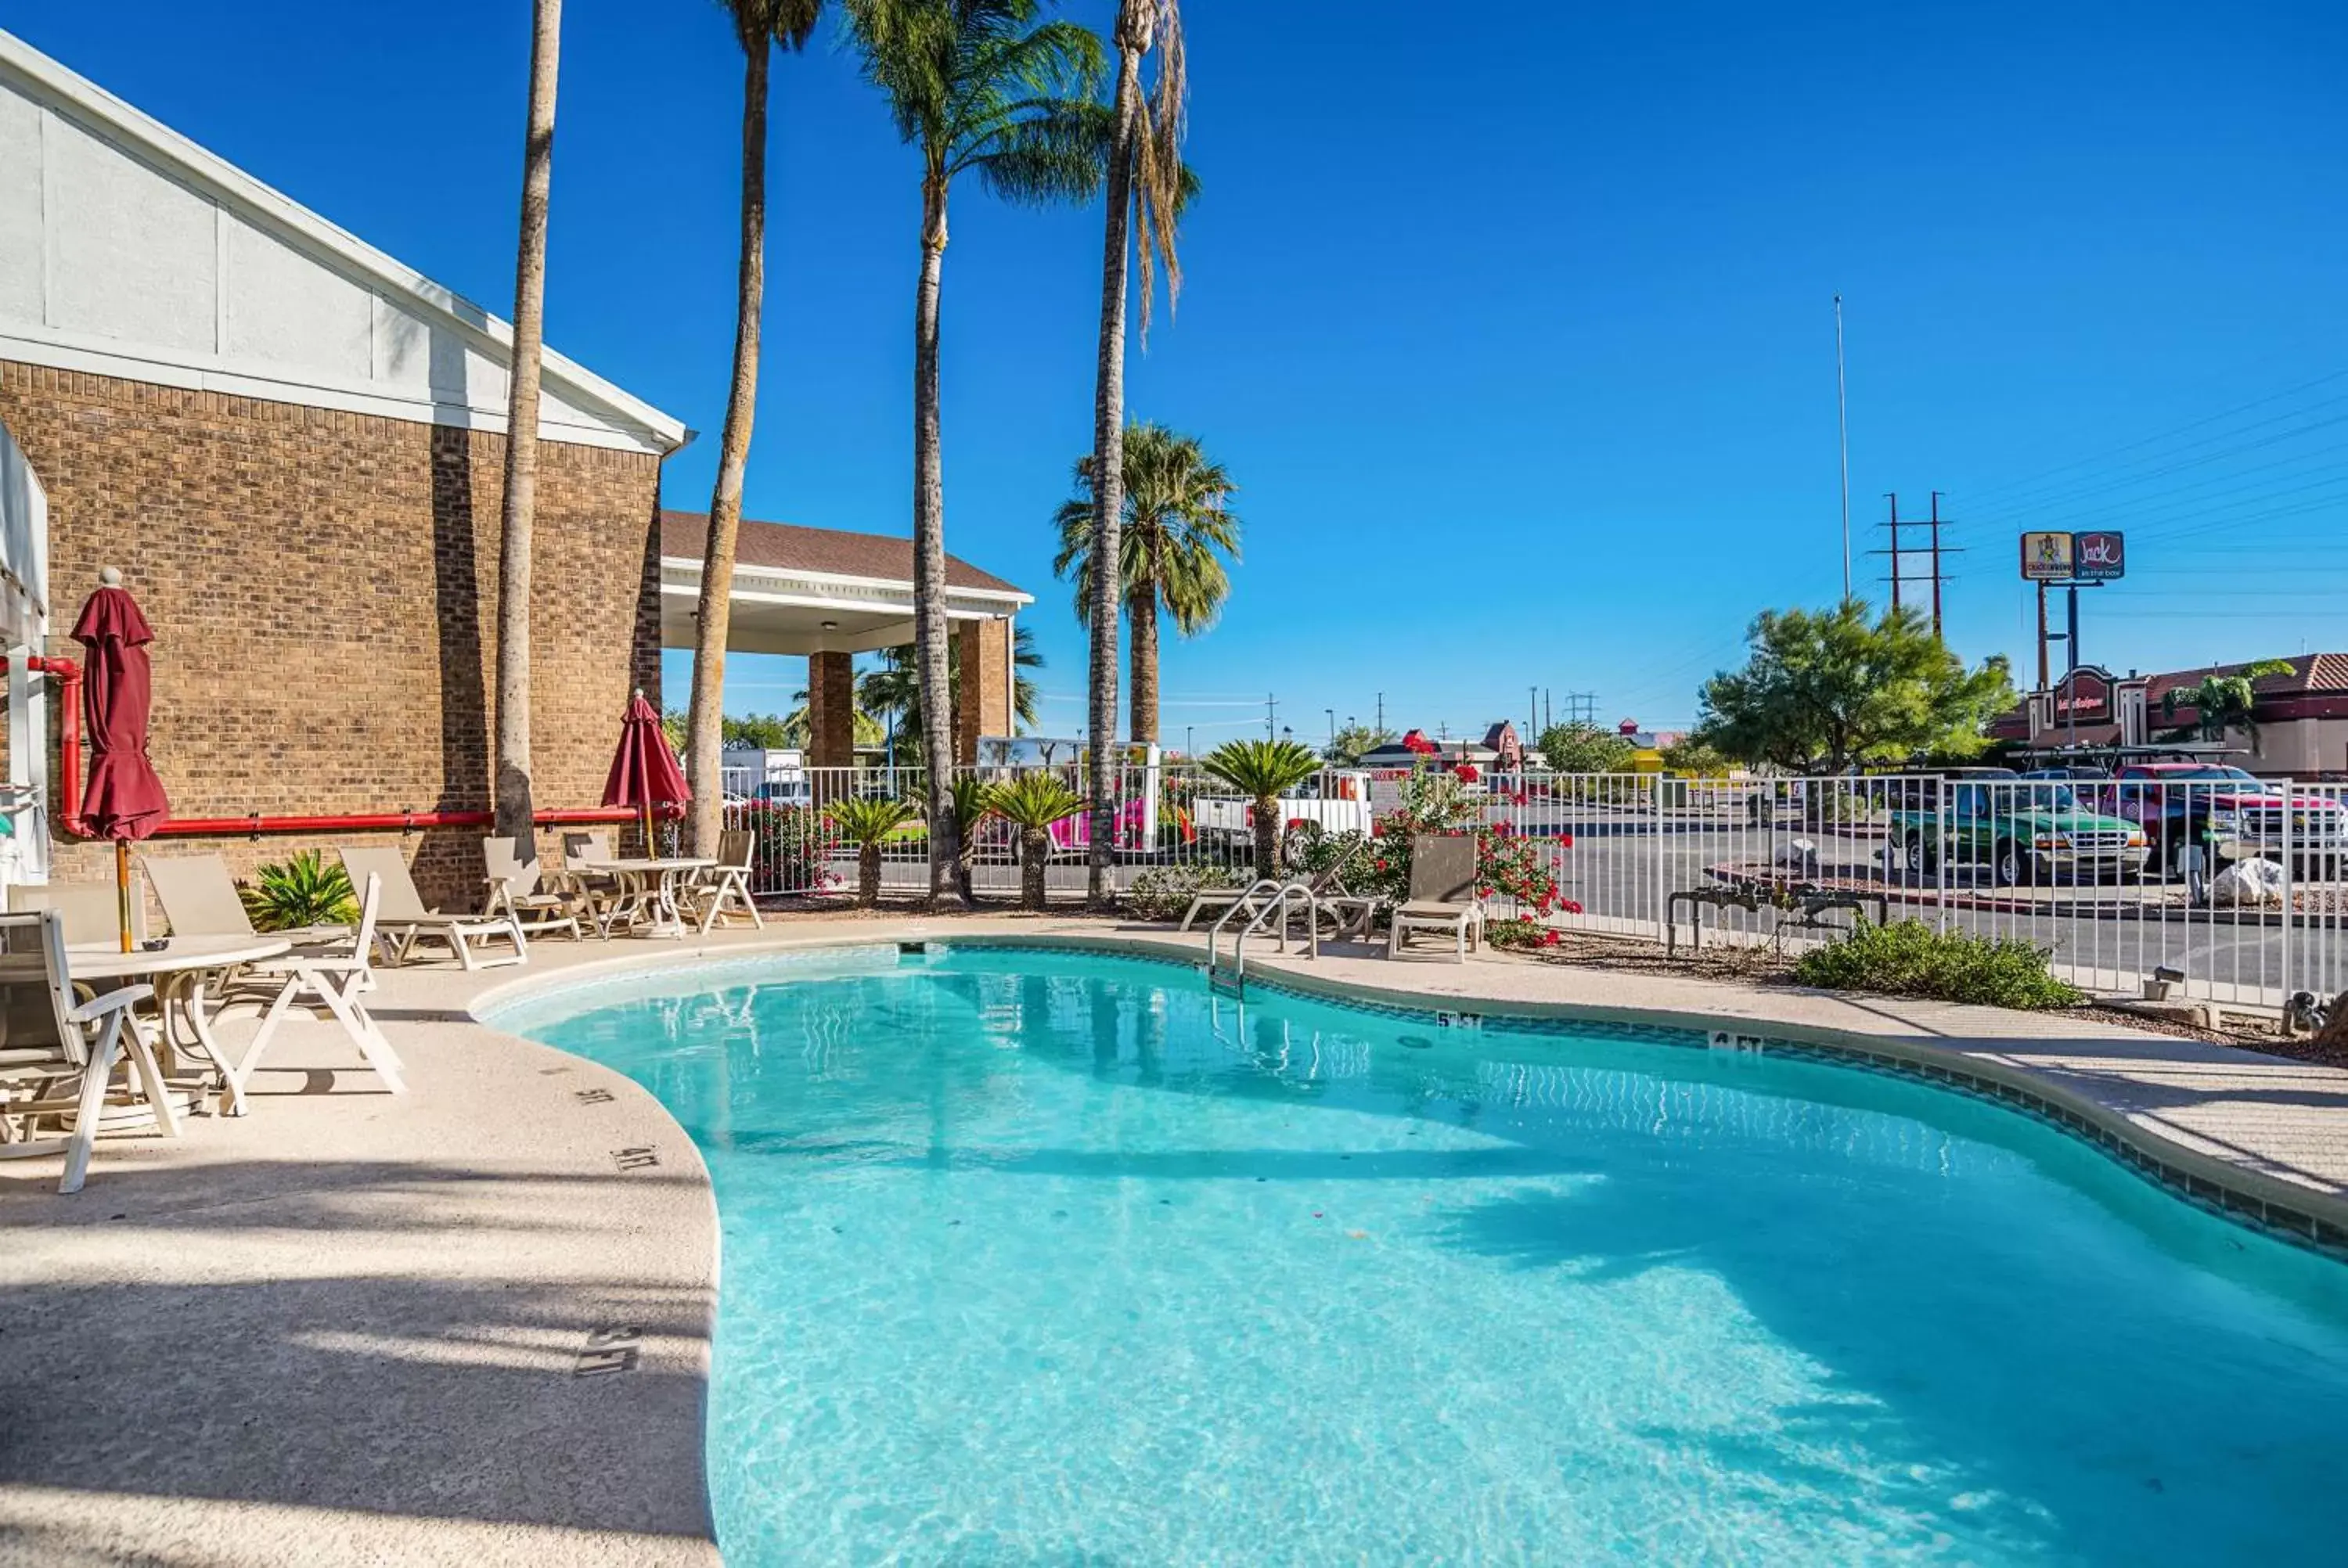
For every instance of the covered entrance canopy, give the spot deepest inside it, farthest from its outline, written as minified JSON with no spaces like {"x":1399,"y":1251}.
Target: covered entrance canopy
{"x":816,"y":590}
{"x":829,"y":595}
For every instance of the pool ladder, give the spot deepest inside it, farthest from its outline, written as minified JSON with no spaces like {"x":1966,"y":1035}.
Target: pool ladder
{"x":1284,"y":897}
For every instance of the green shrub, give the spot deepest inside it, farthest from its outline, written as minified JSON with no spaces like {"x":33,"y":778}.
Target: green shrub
{"x":303,"y":890}
{"x":1164,"y":892}
{"x":1910,"y":958}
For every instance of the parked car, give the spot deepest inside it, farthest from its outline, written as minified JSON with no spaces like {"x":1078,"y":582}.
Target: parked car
{"x":2229,"y":815}
{"x":2026,"y":831}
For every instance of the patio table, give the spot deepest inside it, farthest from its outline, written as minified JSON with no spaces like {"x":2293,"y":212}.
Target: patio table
{"x":178,"y":970}
{"x":649,"y":887}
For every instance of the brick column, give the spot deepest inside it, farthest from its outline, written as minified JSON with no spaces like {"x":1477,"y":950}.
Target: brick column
{"x":983,"y":703}
{"x":832,"y":711}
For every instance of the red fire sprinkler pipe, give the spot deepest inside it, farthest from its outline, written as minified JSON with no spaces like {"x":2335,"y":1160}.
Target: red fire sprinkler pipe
{"x":68,"y":677}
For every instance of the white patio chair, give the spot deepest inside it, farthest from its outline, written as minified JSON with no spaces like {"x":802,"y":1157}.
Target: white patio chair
{"x":337,"y":983}
{"x":57,"y":1055}
{"x":516,"y":890}
{"x":608,"y":900}
{"x":91,"y":911}
{"x":728,"y":883}
{"x":404,"y":921}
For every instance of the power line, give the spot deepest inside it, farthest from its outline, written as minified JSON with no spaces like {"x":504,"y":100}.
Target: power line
{"x":2164,"y":435}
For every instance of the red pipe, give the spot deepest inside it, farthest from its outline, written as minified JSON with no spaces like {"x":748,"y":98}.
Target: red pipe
{"x":69,"y":817}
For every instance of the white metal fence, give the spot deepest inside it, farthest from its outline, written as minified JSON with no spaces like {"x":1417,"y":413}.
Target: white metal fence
{"x":2234,"y":890}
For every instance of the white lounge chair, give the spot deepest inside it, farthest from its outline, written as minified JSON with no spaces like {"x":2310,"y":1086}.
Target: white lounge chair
{"x":1442,"y":895}
{"x":334,"y":982}
{"x":57,"y":1055}
{"x":404,"y":922}
{"x":91,"y":912}
{"x":516,"y":890}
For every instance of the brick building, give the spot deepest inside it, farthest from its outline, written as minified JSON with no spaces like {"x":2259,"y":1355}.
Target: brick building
{"x":2302,"y":714}
{"x":293,"y":446}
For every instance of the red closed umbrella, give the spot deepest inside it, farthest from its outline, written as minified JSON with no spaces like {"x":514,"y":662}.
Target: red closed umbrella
{"x":644,"y":771}
{"x":124,"y":800}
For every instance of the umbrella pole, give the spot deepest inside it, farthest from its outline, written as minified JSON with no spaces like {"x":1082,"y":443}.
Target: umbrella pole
{"x":122,"y":886}
{"x":652,"y":851}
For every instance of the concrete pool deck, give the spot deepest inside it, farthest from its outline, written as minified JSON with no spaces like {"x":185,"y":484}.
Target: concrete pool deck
{"x":471,"y":1324}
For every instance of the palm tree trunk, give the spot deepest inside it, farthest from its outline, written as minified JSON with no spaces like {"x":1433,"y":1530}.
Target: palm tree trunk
{"x":1109,"y":465}
{"x":930,"y":555}
{"x":705,"y":725}
{"x":1267,"y":837}
{"x":1034,"y":858}
{"x":868,"y":874}
{"x":1141,"y":612}
{"x":511,"y":793}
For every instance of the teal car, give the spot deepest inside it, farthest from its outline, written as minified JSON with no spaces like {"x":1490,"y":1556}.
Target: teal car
{"x":2027,"y":833}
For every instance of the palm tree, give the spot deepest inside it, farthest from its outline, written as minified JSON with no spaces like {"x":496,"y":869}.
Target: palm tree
{"x":869,"y":821}
{"x":2222,"y":702}
{"x":516,"y":508}
{"x":1263,"y":771}
{"x":894,"y":688}
{"x":1031,"y":803}
{"x":1178,"y":524}
{"x":983,"y":88}
{"x":1147,"y":186}
{"x":758,"y":26}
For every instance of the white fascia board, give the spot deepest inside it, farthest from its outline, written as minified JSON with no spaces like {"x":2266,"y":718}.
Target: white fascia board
{"x":1012,"y":598}
{"x":276,"y":212}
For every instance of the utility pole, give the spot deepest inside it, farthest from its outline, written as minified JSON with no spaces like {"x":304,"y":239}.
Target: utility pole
{"x":1333,"y":727}
{"x":1270,"y":704}
{"x":1381,"y":725}
{"x":1842,"y":423}
{"x":1549,"y":713}
{"x":1901,"y":578}
{"x":1894,"y":498}
{"x":1532,"y":713}
{"x":2042,"y":638}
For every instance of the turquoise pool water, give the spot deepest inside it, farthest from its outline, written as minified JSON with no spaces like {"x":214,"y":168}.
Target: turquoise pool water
{"x":1040,"y":1258}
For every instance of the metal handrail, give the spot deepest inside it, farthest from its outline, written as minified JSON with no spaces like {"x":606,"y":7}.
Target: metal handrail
{"x":1284,"y":894}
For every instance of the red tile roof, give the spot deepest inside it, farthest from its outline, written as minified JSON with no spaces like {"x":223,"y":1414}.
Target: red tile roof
{"x":788,"y":547}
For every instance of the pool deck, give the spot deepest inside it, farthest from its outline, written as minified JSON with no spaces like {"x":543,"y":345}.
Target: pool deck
{"x":353,"y":1327}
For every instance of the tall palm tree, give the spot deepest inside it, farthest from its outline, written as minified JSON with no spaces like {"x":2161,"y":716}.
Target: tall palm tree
{"x":510,"y":790}
{"x":983,"y":88}
{"x":758,"y":26}
{"x":1146,"y":188}
{"x":1177,"y":525}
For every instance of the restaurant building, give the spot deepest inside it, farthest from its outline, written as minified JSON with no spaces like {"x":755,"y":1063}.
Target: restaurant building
{"x":2301,"y":717}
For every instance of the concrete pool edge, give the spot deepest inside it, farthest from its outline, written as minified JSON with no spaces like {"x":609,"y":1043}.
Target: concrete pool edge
{"x":2072,"y":1091}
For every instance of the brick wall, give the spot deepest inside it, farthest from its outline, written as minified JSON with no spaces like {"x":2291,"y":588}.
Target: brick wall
{"x":323,"y":587}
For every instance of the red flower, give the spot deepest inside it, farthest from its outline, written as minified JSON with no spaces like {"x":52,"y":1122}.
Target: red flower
{"x":1568,"y":907}
{"x":1550,"y":938}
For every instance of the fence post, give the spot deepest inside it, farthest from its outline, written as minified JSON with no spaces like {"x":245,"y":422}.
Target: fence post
{"x":2290,"y":884}
{"x":1662,"y":869}
{"x":1941,"y":844}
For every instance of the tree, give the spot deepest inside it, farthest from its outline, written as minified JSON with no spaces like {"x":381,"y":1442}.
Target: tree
{"x":1353,"y":741}
{"x":868,"y":822}
{"x":2222,"y":702}
{"x":893,"y":688}
{"x":1263,"y":771}
{"x":514,"y":810}
{"x":1147,"y":186}
{"x":1578,"y":748}
{"x":1031,"y":803}
{"x":1177,"y":525}
{"x":758,"y":26}
{"x":1825,"y":690}
{"x":1691,"y":756}
{"x":981,"y":87}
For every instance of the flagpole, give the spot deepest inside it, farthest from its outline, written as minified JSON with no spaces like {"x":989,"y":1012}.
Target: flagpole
{"x":1842,"y":423}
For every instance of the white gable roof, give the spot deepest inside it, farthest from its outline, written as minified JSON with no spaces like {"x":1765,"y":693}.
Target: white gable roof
{"x":127,"y":250}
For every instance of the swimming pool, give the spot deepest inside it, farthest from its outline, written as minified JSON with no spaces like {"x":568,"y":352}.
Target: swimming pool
{"x":1041,"y":1258}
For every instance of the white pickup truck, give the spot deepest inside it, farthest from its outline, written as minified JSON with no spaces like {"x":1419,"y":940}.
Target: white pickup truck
{"x":1339,"y":803}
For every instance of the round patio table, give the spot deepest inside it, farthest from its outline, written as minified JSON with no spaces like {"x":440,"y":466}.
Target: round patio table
{"x":178,"y":970}
{"x":659,"y":902}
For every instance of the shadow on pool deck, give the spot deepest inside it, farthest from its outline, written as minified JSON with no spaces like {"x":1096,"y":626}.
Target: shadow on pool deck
{"x":436,"y":1363}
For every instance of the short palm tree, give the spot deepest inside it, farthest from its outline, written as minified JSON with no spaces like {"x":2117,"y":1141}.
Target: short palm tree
{"x":300,"y":890}
{"x":974,"y":802}
{"x":1031,"y":803}
{"x":1147,"y":188}
{"x":1178,"y":529}
{"x":1263,"y":771}
{"x":989,"y":88}
{"x":758,"y":26}
{"x":869,"y":821}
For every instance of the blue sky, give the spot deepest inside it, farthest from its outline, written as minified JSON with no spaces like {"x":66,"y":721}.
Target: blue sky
{"x":1513,"y":323}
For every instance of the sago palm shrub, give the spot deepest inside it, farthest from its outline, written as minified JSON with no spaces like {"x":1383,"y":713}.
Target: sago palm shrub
{"x":1031,"y":804}
{"x":303,"y":890}
{"x":869,"y":821}
{"x":1263,"y":771}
